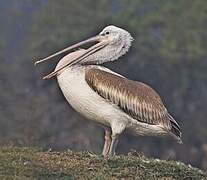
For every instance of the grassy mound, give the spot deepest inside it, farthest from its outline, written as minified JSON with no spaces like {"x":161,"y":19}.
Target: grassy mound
{"x":28,"y":163}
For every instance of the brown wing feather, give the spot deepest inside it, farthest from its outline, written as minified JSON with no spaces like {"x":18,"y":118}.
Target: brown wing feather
{"x":135,"y":98}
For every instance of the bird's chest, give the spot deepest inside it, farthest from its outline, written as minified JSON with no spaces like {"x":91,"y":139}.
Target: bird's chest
{"x":82,"y":98}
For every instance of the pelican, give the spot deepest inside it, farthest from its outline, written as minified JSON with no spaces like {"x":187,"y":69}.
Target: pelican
{"x":108,"y":98}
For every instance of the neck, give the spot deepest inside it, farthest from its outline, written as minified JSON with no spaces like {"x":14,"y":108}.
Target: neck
{"x":108,"y":53}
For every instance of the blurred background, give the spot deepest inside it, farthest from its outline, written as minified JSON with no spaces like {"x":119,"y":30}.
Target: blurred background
{"x":168,"y":53}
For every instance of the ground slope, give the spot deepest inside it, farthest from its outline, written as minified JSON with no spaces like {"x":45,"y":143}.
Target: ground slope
{"x":28,"y":163}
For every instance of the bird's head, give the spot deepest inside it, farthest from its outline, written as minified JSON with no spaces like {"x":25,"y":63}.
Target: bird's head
{"x":117,"y":42}
{"x":116,"y":36}
{"x":111,"y":43}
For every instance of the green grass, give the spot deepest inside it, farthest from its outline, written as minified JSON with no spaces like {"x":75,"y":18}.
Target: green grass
{"x":28,"y":163}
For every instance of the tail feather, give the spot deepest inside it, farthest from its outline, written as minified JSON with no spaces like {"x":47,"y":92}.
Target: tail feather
{"x":175,"y":129}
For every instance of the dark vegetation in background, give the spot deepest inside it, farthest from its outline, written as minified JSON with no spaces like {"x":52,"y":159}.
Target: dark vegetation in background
{"x":168,"y":53}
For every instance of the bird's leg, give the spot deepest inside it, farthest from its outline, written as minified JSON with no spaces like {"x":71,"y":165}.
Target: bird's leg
{"x":107,"y":142}
{"x":114,"y":143}
{"x":117,"y":127}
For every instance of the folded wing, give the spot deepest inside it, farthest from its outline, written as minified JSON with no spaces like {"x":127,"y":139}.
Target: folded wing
{"x":136,"y":99}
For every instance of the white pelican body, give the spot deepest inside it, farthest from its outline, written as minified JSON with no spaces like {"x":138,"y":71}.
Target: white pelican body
{"x":89,"y":103}
{"x":92,"y":106}
{"x":108,"y":98}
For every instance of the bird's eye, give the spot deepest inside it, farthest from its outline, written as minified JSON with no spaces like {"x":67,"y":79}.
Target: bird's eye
{"x":107,"y":32}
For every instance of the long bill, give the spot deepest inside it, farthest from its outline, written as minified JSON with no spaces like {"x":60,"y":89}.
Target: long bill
{"x":93,"y":39}
{"x":80,"y":58}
